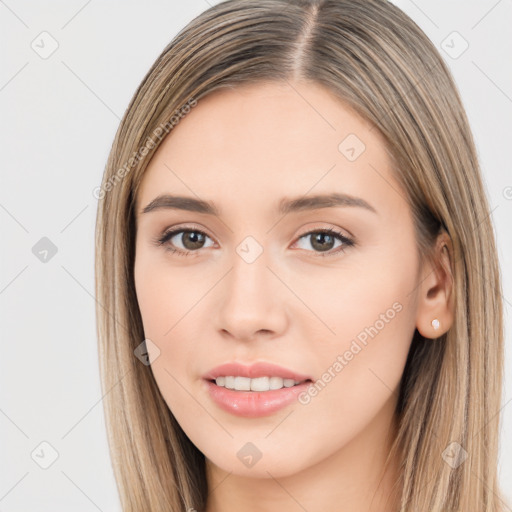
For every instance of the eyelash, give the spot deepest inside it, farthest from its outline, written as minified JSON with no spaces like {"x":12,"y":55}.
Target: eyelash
{"x":346,"y":242}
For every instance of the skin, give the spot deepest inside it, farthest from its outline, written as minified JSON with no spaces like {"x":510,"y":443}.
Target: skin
{"x":245,"y":150}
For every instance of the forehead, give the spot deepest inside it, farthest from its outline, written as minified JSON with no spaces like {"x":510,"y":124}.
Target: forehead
{"x":261,"y":142}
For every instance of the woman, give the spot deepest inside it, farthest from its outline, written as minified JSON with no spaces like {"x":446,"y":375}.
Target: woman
{"x":297,"y":280}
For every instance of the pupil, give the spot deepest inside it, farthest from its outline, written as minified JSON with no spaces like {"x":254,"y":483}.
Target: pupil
{"x":321,"y":237}
{"x":196,"y":240}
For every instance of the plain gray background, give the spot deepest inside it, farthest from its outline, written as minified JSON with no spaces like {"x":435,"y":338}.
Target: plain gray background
{"x":59,"y":114}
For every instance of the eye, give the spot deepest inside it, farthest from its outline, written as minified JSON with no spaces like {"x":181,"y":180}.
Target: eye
{"x":190,"y":239}
{"x":324,"y":241}
{"x":187,"y":241}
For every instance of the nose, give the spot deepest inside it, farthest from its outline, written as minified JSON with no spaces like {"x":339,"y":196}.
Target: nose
{"x":251,"y":301}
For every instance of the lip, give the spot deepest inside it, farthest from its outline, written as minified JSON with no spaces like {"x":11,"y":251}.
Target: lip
{"x":253,"y":371}
{"x":253,"y":404}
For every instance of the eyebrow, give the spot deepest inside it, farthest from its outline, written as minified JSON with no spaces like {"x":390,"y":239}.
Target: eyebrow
{"x":285,"y":206}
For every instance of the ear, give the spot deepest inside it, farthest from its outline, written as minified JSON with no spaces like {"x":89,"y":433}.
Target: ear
{"x":435,"y":298}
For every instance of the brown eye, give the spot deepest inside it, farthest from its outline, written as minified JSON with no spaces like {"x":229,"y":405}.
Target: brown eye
{"x":184,"y":240}
{"x":324,"y":241}
{"x":192,"y":240}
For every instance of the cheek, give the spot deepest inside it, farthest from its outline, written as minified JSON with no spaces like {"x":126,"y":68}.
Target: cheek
{"x":359,"y":367}
{"x":370,"y":287}
{"x":164,"y":294}
{"x":168,"y":304}
{"x":358,"y":378}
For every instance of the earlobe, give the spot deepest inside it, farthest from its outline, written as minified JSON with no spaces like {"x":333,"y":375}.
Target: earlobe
{"x":435,"y":305}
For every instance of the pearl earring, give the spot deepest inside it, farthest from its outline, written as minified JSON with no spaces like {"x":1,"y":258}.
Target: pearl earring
{"x":435,"y":324}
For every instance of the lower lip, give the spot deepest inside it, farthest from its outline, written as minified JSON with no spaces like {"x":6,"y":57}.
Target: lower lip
{"x":253,"y":404}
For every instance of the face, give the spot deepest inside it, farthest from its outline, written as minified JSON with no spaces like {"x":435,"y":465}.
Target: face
{"x":255,"y":283}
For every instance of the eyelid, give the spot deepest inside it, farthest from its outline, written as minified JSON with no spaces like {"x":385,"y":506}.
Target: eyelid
{"x":326,"y":226}
{"x":187,"y":227}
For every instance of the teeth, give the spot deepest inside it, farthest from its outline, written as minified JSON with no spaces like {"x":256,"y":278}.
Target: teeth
{"x":258,"y":384}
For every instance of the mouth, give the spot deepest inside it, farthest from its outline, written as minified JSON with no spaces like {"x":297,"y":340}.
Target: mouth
{"x":259,"y":376}
{"x":256,"y":385}
{"x":254,"y":397}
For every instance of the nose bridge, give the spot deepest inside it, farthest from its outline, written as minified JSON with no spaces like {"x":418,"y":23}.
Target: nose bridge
{"x":249,"y":277}
{"x":251,"y":300}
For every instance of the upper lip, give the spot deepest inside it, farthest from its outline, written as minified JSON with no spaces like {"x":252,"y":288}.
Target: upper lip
{"x":252,"y":371}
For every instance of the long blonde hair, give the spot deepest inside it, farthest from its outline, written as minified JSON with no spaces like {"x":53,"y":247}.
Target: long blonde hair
{"x":380,"y":63}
